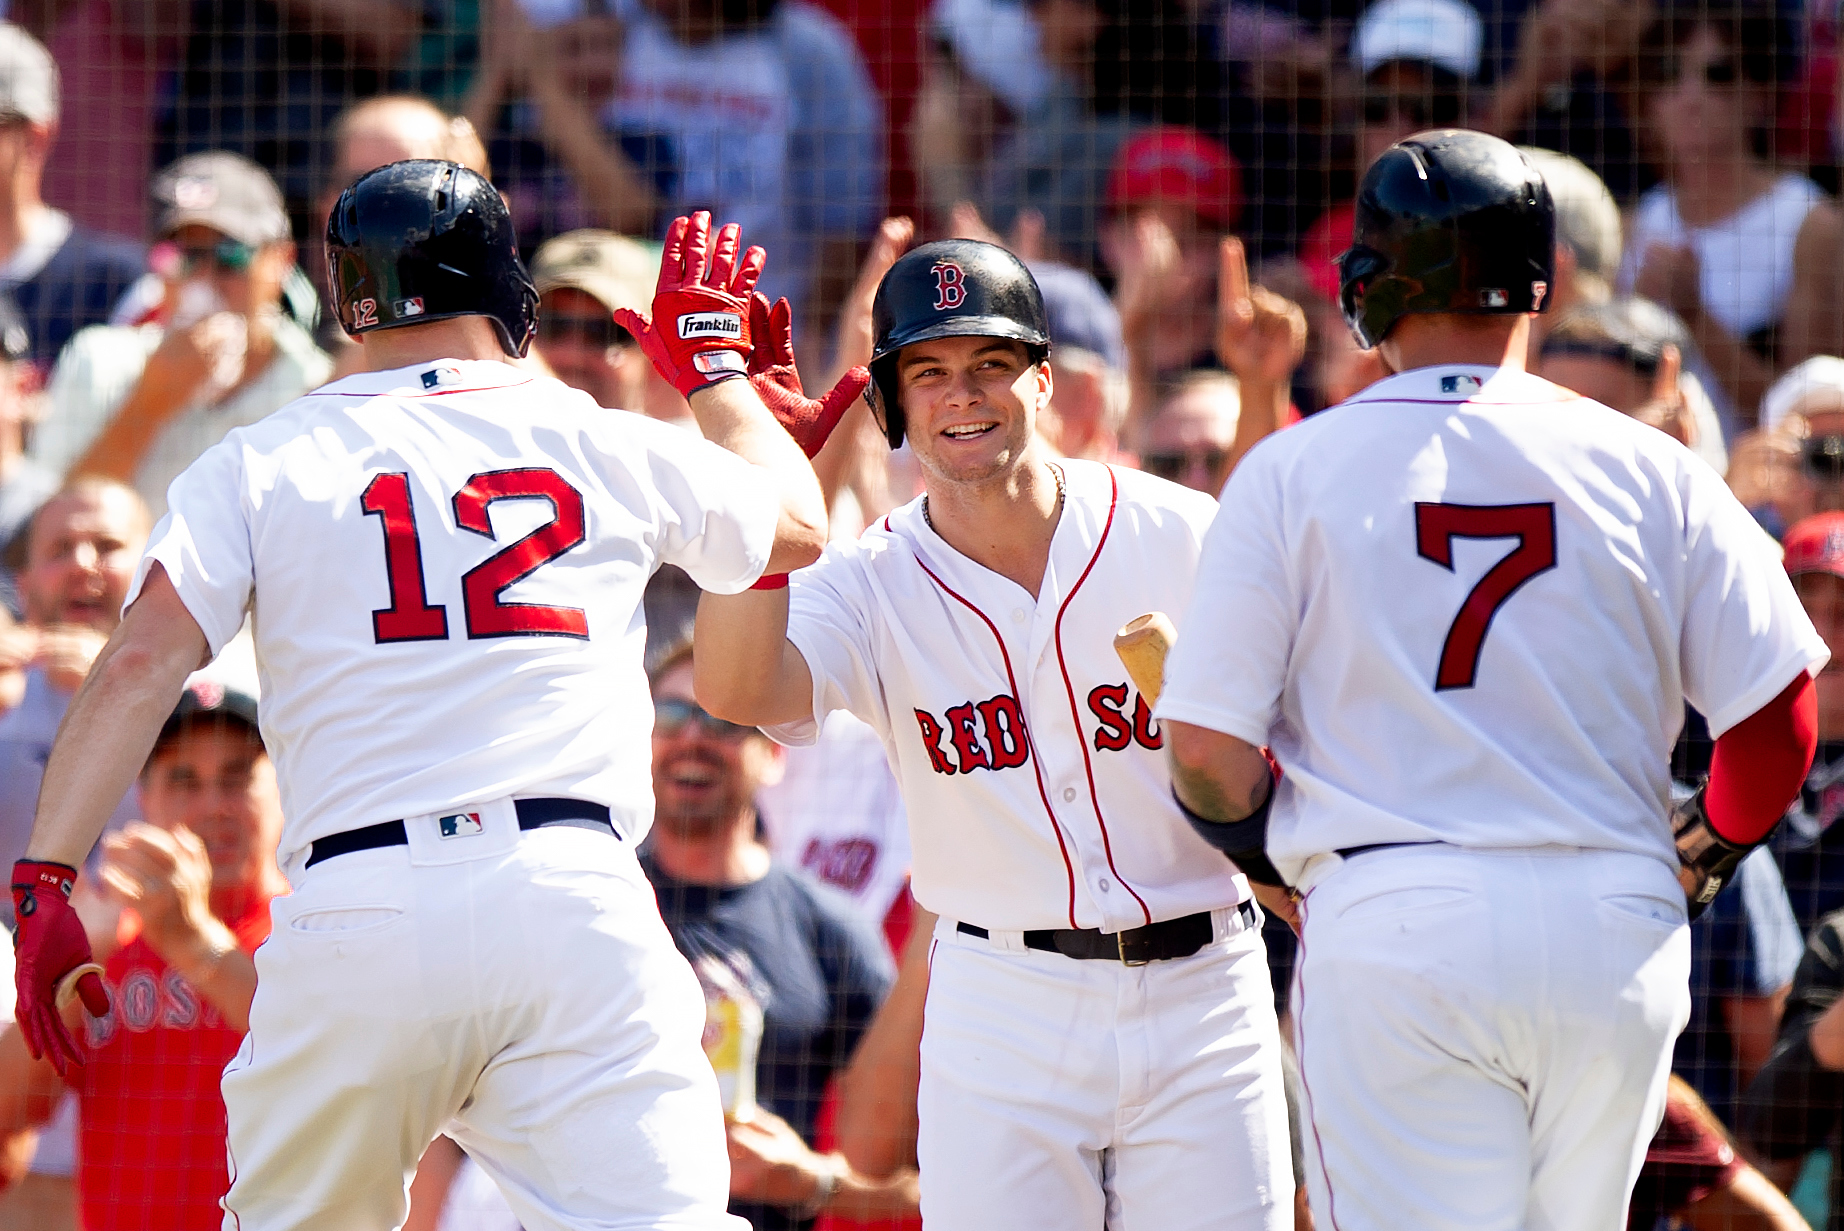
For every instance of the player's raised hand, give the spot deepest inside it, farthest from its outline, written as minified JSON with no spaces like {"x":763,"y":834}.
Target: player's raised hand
{"x":699,"y":331}
{"x":51,"y":947}
{"x":777,"y":380}
{"x":1261,"y":336}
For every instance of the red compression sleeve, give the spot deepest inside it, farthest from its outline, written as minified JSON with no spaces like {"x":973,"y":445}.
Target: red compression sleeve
{"x":1761,"y":762}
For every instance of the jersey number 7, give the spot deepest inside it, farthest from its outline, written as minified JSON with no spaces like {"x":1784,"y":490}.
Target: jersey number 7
{"x":1438,"y":525}
{"x":410,"y":617}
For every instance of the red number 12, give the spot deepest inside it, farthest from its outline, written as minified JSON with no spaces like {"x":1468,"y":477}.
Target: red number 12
{"x":1438,"y":525}
{"x":411,"y":617}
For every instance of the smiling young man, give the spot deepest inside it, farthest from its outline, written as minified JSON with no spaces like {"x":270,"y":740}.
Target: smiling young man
{"x":1101,"y":1042}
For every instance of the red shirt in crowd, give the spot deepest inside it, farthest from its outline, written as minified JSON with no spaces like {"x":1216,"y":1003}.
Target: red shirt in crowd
{"x":150,"y":1147}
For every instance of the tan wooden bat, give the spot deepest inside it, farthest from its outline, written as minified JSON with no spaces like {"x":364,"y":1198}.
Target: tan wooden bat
{"x":66,"y":990}
{"x":1142,"y":643}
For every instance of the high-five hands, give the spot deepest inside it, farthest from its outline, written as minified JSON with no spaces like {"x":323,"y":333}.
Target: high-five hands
{"x":777,"y":381}
{"x":701,"y":305}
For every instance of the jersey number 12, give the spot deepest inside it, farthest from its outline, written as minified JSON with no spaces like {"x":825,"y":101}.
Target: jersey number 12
{"x":1438,"y":525}
{"x":410,"y":617}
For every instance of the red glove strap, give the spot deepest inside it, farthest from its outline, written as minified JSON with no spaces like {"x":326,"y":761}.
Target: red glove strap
{"x":771,"y":581}
{"x":1760,"y":763}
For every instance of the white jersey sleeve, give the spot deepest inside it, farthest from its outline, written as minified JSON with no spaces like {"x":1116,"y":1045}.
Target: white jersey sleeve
{"x":203,"y":543}
{"x":1745,"y":634}
{"x":1245,"y":581}
{"x":710,"y":511}
{"x":828,"y":622}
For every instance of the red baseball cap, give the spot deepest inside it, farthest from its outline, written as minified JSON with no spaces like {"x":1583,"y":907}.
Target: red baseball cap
{"x":1174,"y":163}
{"x":1816,"y":545}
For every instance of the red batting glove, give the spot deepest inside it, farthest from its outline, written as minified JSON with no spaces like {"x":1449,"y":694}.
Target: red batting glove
{"x":777,"y":381}
{"x":701,"y":304}
{"x":50,"y":945}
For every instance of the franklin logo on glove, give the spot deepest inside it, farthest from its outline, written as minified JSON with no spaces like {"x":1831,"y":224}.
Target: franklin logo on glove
{"x":711,"y":325}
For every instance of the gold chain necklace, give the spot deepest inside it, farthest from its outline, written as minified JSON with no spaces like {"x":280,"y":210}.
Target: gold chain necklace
{"x":1056,"y":471}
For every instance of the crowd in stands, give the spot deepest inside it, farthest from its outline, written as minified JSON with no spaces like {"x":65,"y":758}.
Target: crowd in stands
{"x":1178,"y":175}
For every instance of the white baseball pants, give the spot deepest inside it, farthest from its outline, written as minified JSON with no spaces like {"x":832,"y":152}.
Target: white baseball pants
{"x":1484,"y":1036}
{"x":1087,"y":1094}
{"x":516,"y":991}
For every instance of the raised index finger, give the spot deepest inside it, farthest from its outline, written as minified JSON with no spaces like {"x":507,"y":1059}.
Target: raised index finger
{"x":1232,"y":279}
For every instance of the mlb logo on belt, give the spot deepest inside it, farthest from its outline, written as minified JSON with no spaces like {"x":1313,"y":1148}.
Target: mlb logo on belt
{"x":460,"y":825}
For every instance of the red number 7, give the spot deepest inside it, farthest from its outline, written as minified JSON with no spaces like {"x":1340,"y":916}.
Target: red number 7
{"x":1438,"y":525}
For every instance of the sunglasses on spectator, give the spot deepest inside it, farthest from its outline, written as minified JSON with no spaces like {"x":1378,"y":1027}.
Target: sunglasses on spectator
{"x":671,"y":715}
{"x":586,"y":330}
{"x":1172,"y":465}
{"x":1421,"y":112}
{"x":227,"y":256}
{"x":1715,"y":73}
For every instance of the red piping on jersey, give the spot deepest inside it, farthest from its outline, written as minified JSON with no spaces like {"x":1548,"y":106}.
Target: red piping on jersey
{"x":1075,"y":713}
{"x":1036,"y":761}
{"x":1299,"y":1024}
{"x":411,"y":393}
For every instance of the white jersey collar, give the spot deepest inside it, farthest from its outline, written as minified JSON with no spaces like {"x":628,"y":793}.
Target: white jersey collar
{"x":434,"y":378}
{"x":1458,"y":382}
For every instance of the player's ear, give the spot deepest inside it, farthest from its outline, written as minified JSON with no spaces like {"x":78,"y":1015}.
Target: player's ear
{"x":1046,"y":384}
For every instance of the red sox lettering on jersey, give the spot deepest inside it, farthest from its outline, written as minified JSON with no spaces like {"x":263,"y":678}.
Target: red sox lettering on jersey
{"x":1034,"y":772}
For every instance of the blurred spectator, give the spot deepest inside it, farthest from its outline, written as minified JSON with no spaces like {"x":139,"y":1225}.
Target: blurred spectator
{"x":61,"y":275}
{"x":1809,"y":846}
{"x":1796,"y":1105}
{"x":1588,"y":236}
{"x":1792,"y":466}
{"x":758,"y":931}
{"x":1088,"y":406}
{"x":1115,"y":66}
{"x":1693,"y":1177}
{"x":193,"y":885}
{"x":836,"y":814}
{"x":139,"y":403}
{"x":1744,"y":254}
{"x":582,"y":278}
{"x":268,"y":79}
{"x":1417,"y":59}
{"x":1191,"y":434}
{"x":761,"y":111}
{"x":369,"y":135}
{"x":1570,"y":87}
{"x":81,"y":550}
{"x":24,"y":484}
{"x":1629,"y":354}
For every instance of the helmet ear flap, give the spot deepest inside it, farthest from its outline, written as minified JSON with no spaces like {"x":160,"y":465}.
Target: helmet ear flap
{"x":882,"y":397}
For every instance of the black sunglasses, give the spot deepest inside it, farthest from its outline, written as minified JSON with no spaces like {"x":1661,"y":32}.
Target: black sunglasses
{"x":588,"y":330}
{"x":671,"y":715}
{"x":1716,"y":73}
{"x":1420,"y":112}
{"x":227,"y":256}
{"x":1172,"y":465}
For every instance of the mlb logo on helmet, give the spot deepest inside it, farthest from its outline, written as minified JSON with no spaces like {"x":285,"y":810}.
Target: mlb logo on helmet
{"x":710,"y":325}
{"x":408,"y":307}
{"x":461,"y":825}
{"x":1493,"y":297}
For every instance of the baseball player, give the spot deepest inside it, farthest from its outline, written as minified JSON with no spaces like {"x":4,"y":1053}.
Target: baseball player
{"x":1101,"y":1047}
{"x":445,"y":557}
{"x":1465,"y":608}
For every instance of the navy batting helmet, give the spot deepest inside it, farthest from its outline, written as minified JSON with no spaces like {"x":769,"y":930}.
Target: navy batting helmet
{"x":1447,"y":221}
{"x":952,"y":288}
{"x":425,"y":240}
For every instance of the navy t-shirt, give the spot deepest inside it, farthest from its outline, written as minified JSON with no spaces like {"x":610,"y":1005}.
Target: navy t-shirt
{"x":819,"y":970}
{"x":1807,"y":845}
{"x":78,"y":287}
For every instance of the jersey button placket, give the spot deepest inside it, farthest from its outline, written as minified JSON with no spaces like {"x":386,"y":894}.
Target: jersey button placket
{"x":1069,"y":794}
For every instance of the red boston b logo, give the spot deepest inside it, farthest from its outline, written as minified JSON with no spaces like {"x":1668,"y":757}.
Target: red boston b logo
{"x":950,"y":288}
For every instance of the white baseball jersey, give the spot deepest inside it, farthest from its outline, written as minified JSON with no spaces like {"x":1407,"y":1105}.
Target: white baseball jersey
{"x":1464,"y":607}
{"x":1032,"y":770}
{"x":445,"y":566}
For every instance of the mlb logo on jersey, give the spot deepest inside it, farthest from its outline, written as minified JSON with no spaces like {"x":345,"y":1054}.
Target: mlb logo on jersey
{"x":408,"y":307}
{"x":1460,"y":384}
{"x":444,"y":375}
{"x":460,"y":825}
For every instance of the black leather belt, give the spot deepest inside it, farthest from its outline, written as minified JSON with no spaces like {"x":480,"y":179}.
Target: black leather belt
{"x":533,"y":814}
{"x":1156,"y":942}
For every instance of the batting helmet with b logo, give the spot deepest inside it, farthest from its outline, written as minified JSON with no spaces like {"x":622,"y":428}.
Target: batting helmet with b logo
{"x":953,"y":288}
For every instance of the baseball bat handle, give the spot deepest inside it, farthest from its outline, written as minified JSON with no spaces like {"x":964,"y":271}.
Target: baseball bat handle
{"x":1142,"y":643}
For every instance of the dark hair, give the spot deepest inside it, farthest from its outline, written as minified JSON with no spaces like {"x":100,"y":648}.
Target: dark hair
{"x":1765,"y":43}
{"x":1151,"y":63}
{"x":1632,"y":332}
